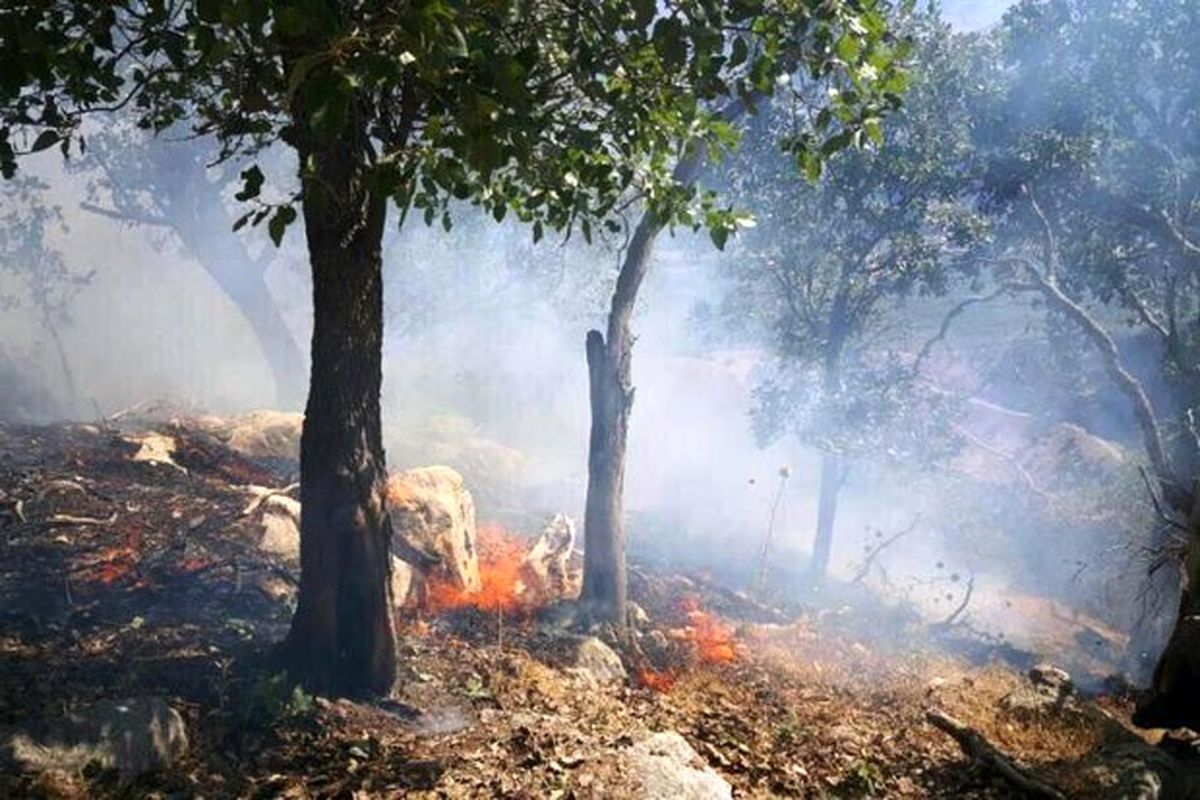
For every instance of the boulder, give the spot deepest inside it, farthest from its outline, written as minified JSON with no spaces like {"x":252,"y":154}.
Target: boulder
{"x":595,"y":662}
{"x":132,"y":736}
{"x":546,"y":571}
{"x":433,"y":517}
{"x":262,"y":435}
{"x":279,"y":519}
{"x":665,"y":765}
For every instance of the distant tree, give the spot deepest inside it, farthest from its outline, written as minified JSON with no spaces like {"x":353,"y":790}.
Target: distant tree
{"x":1091,"y":141}
{"x":828,"y":261}
{"x":840,"y":73}
{"x":175,"y":192}
{"x":47,"y":284}
{"x":549,"y":110}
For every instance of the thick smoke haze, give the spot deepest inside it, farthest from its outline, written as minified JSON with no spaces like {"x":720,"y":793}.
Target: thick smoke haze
{"x":484,"y":369}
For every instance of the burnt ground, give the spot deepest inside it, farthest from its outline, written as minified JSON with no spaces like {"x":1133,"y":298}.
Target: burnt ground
{"x":124,"y":576}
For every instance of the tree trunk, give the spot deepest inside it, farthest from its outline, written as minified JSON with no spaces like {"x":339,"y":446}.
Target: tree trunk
{"x":284,"y":359}
{"x":1174,"y":697}
{"x":342,"y":637}
{"x":831,"y":477}
{"x":609,"y":375}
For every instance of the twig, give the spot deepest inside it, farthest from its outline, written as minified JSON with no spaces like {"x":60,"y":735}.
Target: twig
{"x":966,"y":601}
{"x":974,"y":745}
{"x":865,"y":566}
{"x":765,"y":551}
{"x":1158,"y":509}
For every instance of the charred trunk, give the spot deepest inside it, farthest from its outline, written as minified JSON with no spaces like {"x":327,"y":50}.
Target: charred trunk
{"x":831,"y":469}
{"x":1174,"y":697}
{"x":610,"y":377}
{"x":342,"y":637}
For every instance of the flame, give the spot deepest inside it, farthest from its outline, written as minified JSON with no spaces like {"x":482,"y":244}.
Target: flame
{"x":111,"y":565}
{"x":661,"y":682}
{"x":501,"y":556}
{"x":713,"y":639}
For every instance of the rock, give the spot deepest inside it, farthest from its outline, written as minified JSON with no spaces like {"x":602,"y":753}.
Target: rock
{"x":665,"y":765}
{"x":404,"y":582}
{"x":280,"y":524}
{"x":132,"y":736}
{"x":596,"y":662}
{"x":546,"y":574}
{"x":155,"y":448}
{"x":264,"y":435}
{"x":1054,"y":680}
{"x":433,"y":515}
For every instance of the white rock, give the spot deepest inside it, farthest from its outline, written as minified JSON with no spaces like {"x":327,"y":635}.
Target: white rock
{"x":665,"y":765}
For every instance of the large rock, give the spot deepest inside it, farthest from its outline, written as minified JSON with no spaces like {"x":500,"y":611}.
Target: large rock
{"x":131,"y":736}
{"x":279,"y":518}
{"x":665,"y":765}
{"x":547,"y":575}
{"x":433,"y":517}
{"x":265,"y":434}
{"x":596,"y":662}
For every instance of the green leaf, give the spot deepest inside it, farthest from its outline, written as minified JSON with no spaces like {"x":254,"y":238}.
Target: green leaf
{"x":45,"y":140}
{"x":278,"y":225}
{"x":252,"y":181}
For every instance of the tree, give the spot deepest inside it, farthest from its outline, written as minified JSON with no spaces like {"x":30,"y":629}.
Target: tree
{"x":843,"y":71}
{"x":173,"y":190}
{"x":1093,"y":185}
{"x":549,"y":110}
{"x":49,"y":283}
{"x":821,"y":271}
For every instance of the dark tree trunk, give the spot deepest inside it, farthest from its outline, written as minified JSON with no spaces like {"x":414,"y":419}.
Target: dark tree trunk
{"x":253,"y":299}
{"x":831,"y":477}
{"x":1174,"y":697}
{"x":831,"y":462}
{"x":610,"y":378}
{"x":342,"y":637}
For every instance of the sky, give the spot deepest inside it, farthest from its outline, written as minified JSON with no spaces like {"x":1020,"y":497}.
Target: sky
{"x":974,"y":14}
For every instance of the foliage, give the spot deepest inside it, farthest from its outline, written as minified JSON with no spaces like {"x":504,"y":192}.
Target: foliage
{"x":1092,"y":167}
{"x":549,"y":110}
{"x":272,"y":698}
{"x":818,"y":274}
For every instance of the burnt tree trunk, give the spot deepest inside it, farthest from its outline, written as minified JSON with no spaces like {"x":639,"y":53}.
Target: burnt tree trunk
{"x":342,"y":637}
{"x":1174,"y":697}
{"x":610,"y":378}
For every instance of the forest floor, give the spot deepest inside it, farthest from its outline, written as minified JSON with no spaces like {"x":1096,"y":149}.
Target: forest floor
{"x":130,"y":568}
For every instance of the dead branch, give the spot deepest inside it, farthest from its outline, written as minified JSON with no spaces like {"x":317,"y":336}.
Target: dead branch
{"x":1158,"y":509}
{"x":260,"y":499}
{"x":70,"y":519}
{"x":953,"y":314}
{"x":962,"y":606}
{"x":975,"y":746}
{"x":865,"y":567}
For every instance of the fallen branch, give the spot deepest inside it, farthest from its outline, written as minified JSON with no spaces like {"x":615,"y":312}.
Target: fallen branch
{"x":70,"y":519}
{"x":262,"y":498}
{"x":974,"y":745}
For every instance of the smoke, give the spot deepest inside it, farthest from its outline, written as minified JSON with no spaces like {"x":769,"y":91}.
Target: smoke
{"x":484,"y":369}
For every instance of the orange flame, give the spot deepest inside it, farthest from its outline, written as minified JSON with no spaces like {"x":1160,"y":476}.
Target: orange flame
{"x":714,"y":639}
{"x":661,"y":682}
{"x":500,"y":565}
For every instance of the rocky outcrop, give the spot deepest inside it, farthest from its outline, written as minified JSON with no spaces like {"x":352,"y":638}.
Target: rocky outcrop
{"x":433,"y":518}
